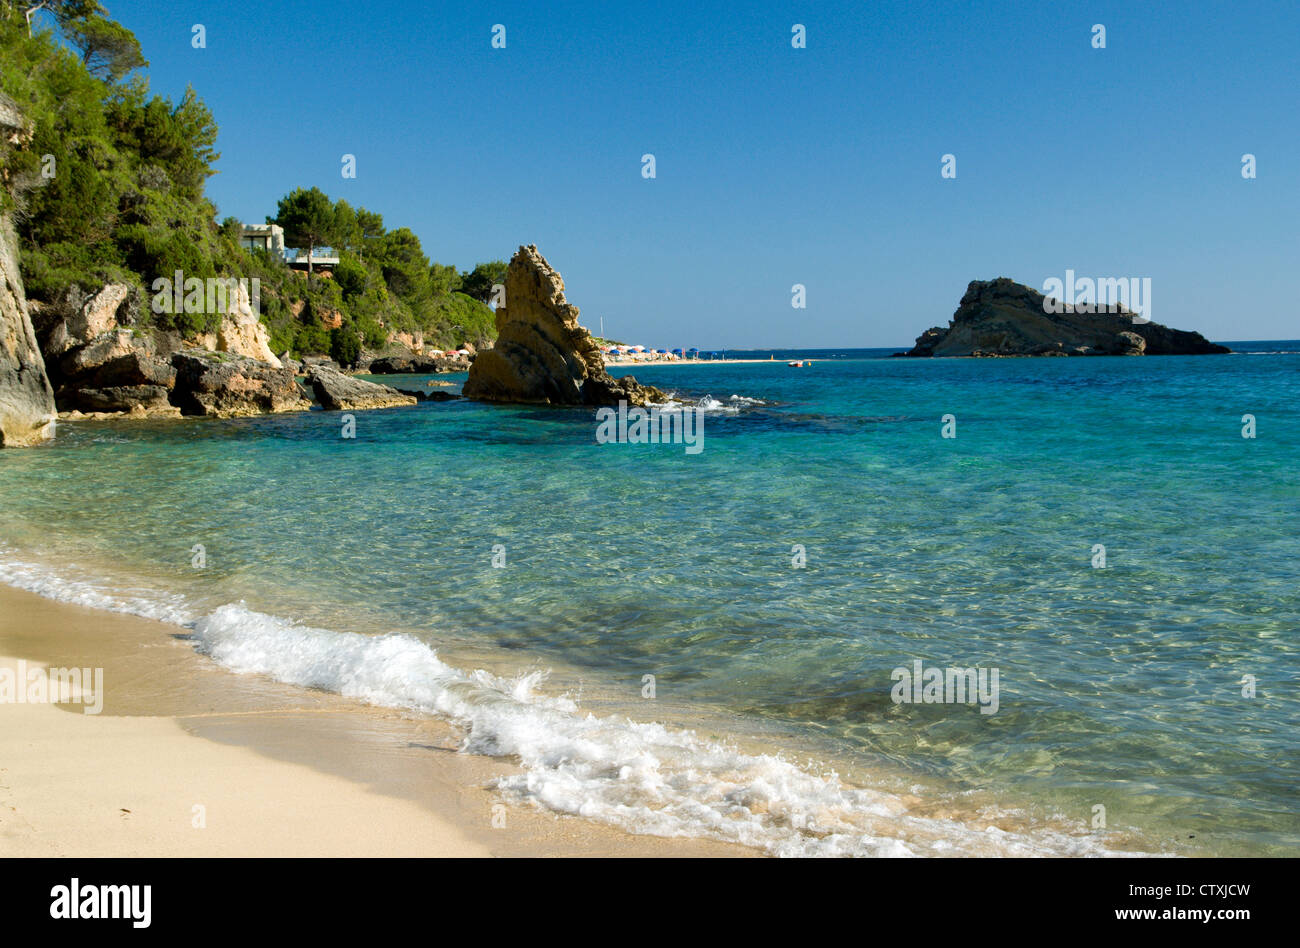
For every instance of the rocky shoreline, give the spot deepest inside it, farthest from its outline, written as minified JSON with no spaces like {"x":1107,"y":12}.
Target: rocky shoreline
{"x":102,"y":365}
{"x":415,"y":363}
{"x":96,"y":355}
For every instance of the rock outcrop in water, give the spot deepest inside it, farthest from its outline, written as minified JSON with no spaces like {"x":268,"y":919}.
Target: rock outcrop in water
{"x":542,"y":355}
{"x":338,"y":392}
{"x":416,"y":363}
{"x":221,"y":385}
{"x":1004,"y":318}
{"x":27,"y":412}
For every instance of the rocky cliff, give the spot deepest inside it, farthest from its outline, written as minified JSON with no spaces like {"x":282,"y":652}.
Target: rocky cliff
{"x":102,"y":359}
{"x":542,"y":355}
{"x":241,"y":331}
{"x":27,"y":412}
{"x":1004,"y":318}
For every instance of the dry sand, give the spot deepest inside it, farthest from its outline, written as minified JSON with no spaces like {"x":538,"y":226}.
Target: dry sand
{"x":273,"y":770}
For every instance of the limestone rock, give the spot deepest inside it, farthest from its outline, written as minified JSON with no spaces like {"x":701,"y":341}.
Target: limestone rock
{"x":27,"y":413}
{"x":419,"y":364}
{"x":121,"y":360}
{"x":243,"y":333}
{"x":926,"y":342}
{"x":124,"y":398}
{"x":1134,"y":344}
{"x":338,"y":392}
{"x":1003,"y":318}
{"x":542,"y":355}
{"x":85,"y":319}
{"x":224,"y":385}
{"x":310,"y":362}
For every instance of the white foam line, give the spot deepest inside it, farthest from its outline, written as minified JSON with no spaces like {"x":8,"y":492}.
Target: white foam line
{"x":641,"y":777}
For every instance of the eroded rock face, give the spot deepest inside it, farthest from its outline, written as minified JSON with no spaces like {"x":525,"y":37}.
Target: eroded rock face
{"x":542,"y":355}
{"x":222,"y":385}
{"x":338,"y":392}
{"x":1004,"y":318}
{"x":98,"y":362}
{"x":241,"y":331}
{"x":86,"y":318}
{"x":27,"y":412}
{"x":102,"y":360}
{"x":129,"y":399}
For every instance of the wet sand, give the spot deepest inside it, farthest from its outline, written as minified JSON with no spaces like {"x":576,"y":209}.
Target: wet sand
{"x":188,"y":759}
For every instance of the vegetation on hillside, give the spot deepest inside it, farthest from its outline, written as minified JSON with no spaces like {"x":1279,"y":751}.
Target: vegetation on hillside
{"x":110,"y":187}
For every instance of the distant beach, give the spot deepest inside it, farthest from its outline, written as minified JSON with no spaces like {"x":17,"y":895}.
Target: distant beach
{"x":657,"y":362}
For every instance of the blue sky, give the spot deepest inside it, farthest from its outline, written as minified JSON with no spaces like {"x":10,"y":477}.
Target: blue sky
{"x":776,"y":165}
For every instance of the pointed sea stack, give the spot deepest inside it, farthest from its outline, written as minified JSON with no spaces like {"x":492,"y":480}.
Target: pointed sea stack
{"x":542,"y":356}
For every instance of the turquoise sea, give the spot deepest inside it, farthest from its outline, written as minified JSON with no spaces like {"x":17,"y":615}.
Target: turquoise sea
{"x":366,"y":566}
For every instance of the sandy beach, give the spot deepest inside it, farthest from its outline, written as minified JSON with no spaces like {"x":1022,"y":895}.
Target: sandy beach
{"x":187,"y":759}
{"x":619,"y":363}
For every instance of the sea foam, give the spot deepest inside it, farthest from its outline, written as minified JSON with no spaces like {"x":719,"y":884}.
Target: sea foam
{"x":642,"y":777}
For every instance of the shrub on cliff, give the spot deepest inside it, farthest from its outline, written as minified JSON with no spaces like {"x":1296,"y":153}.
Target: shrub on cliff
{"x":345,"y":346}
{"x":110,"y":188}
{"x":112,"y":177}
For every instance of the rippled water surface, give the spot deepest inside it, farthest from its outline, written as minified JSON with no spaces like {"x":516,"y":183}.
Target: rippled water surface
{"x":1120,"y":687}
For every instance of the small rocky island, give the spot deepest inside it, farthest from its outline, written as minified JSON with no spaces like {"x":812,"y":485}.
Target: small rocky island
{"x":1004,"y":318}
{"x":542,"y":355}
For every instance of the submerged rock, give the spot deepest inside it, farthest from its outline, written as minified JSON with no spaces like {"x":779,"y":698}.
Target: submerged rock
{"x":542,"y":355}
{"x":1004,"y":318}
{"x":338,"y":392}
{"x":423,"y":396}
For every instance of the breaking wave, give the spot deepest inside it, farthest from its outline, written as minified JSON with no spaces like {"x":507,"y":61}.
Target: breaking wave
{"x":642,"y":777}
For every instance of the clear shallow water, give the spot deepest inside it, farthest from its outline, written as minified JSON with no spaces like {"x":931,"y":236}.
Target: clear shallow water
{"x":1119,"y":687}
